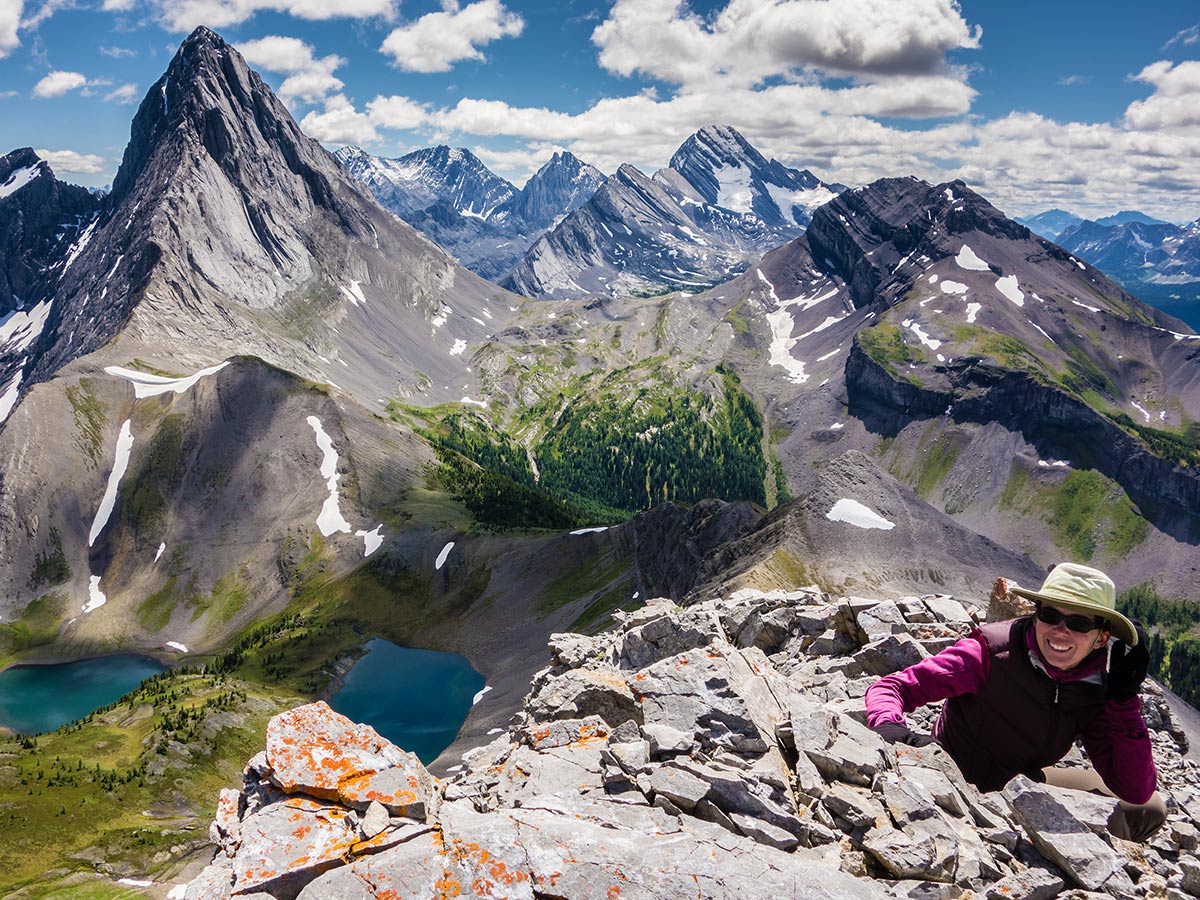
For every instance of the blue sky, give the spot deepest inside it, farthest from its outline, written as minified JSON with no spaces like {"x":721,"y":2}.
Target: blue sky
{"x":1090,"y":106}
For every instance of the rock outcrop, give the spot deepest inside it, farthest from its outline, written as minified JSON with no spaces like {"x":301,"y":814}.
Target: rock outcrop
{"x":711,"y":751}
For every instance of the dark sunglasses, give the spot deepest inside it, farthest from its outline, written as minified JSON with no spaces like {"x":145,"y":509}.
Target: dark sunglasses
{"x":1077,"y":623}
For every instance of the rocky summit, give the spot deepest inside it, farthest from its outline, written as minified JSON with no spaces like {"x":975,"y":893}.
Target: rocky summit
{"x":716,"y":751}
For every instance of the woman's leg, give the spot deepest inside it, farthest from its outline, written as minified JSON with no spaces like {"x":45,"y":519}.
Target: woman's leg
{"x":1129,"y":821}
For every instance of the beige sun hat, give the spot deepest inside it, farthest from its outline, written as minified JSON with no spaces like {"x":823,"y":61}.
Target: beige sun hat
{"x":1086,"y":590}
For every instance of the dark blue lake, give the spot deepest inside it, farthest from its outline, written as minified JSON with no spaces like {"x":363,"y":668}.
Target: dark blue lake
{"x":41,"y":698}
{"x":417,"y":699}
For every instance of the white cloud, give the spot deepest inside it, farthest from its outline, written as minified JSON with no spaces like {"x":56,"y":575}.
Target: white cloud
{"x":309,"y":79}
{"x":70,"y":162}
{"x":1187,"y":37}
{"x":118,"y":5}
{"x":750,"y":40}
{"x":434,"y":42}
{"x":45,"y":11}
{"x":1175,"y":102}
{"x":118,"y":52}
{"x":58,"y":83}
{"x":184,"y":15}
{"x":340,"y":123}
{"x":10,"y":19}
{"x":400,"y":113}
{"x":126,"y":93}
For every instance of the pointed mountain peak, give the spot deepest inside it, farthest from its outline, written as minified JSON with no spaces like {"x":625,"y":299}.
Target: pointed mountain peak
{"x":718,"y":146}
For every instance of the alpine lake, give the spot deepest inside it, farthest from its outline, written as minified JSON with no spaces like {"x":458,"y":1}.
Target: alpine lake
{"x":417,"y":699}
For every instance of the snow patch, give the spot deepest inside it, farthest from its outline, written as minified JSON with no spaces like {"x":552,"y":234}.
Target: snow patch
{"x":590,"y":530}
{"x":1145,"y":412}
{"x":808,"y":199}
{"x":354,"y":293}
{"x":19,"y":178}
{"x":19,"y":329}
{"x":479,"y":696}
{"x":915,"y":328}
{"x":120,"y":464}
{"x":175,"y":645}
{"x":967,"y":259}
{"x":441,"y":557}
{"x":953,"y":287}
{"x":933,"y":278}
{"x":854,"y":513}
{"x":372,"y":540}
{"x":330,"y":519}
{"x":159,"y":553}
{"x":781,"y":346}
{"x":459,"y":346}
{"x":482,"y":404}
{"x":837,"y":426}
{"x":734,"y":191}
{"x":8,"y":399}
{"x":442,"y":314}
{"x":96,"y":598}
{"x":972,"y":311}
{"x":146,"y":384}
{"x":1043,"y":331}
{"x":1085,"y":306}
{"x":1008,"y":287}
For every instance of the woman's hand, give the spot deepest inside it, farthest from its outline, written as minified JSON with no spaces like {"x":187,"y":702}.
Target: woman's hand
{"x":1127,"y":667}
{"x":899,"y":733}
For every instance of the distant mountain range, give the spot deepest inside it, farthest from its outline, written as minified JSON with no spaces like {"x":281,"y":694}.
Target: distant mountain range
{"x":1054,"y":222}
{"x":716,"y":207}
{"x":455,"y":200}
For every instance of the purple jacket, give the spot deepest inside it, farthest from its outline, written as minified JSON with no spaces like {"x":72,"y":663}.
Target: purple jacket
{"x":1115,"y":737}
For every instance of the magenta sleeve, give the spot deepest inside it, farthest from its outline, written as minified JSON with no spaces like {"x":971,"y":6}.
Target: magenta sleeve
{"x":1118,"y":745}
{"x":959,"y":669}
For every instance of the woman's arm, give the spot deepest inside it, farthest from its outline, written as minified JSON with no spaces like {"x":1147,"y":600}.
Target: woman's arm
{"x":1118,"y":745}
{"x":959,"y":669}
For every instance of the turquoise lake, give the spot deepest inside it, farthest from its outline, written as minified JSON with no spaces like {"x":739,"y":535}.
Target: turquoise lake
{"x":34,"y":699}
{"x":417,"y":699}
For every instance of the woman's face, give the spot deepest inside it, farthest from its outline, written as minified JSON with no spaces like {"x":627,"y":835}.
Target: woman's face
{"x":1062,"y":647}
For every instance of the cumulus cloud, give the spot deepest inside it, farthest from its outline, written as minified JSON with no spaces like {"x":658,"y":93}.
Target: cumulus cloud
{"x":339,"y":123}
{"x":72,"y":163}
{"x":126,"y":93}
{"x":10,"y":20}
{"x":58,"y":83}
{"x":434,"y":42}
{"x":400,"y":113}
{"x":184,"y":15}
{"x":1175,"y":102}
{"x":308,"y":78}
{"x":750,"y":40}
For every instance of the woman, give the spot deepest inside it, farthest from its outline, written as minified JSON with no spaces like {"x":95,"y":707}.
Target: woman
{"x":1018,"y":693}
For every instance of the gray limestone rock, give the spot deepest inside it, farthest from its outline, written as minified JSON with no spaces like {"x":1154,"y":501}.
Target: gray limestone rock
{"x":1030,"y":884}
{"x":1062,"y":838}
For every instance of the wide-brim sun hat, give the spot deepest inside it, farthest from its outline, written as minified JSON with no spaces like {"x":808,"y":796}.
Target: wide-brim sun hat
{"x":1082,"y":589}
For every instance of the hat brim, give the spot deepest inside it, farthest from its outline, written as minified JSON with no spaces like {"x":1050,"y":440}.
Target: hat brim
{"x":1122,"y":629}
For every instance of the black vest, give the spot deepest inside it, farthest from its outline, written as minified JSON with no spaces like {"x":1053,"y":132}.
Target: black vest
{"x":1021,"y":720}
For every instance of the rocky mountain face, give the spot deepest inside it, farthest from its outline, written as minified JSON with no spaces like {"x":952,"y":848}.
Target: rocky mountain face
{"x":420,"y":179}
{"x":972,"y":359}
{"x":1156,"y":261}
{"x":718,"y":205}
{"x":227,"y":224}
{"x":233,"y":261}
{"x":39,"y":216}
{"x":731,"y":730}
{"x":452,"y":198}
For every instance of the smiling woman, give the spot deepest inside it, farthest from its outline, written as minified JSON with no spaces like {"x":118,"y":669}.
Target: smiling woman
{"x":1019,"y":693}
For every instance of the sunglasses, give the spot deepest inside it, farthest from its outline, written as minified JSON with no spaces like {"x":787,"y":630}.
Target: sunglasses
{"x":1077,"y":623}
